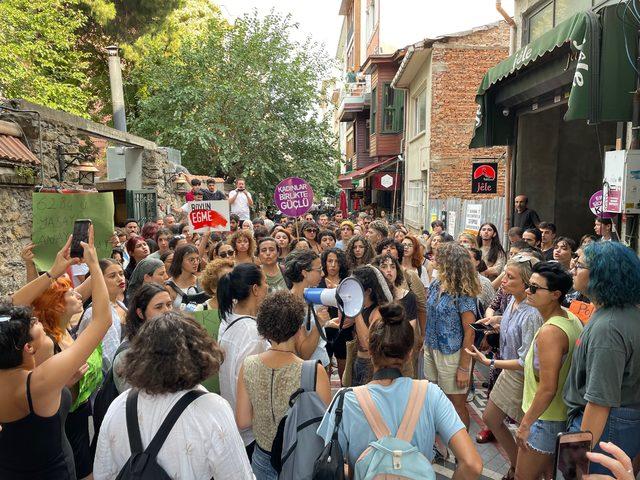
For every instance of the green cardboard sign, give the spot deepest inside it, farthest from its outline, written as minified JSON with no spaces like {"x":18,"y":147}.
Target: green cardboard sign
{"x":53,"y":218}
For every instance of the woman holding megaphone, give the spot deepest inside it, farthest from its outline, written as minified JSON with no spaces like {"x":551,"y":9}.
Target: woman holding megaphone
{"x":303,"y":269}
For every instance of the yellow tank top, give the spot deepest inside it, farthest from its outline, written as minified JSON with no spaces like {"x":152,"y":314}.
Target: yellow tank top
{"x":557,"y":410}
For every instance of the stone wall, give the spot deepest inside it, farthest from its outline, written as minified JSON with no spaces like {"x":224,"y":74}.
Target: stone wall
{"x":15,"y":201}
{"x":458,"y":67}
{"x":154,"y":164}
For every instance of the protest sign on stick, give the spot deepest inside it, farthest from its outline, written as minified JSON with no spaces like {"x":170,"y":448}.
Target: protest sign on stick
{"x":209,"y":215}
{"x":293,"y":197}
{"x":53,"y":218}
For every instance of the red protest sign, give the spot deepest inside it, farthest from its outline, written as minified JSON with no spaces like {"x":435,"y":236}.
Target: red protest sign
{"x":209,"y":215}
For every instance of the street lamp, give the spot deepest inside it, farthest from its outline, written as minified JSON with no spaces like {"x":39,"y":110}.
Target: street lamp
{"x":175,"y":179}
{"x":86,"y":169}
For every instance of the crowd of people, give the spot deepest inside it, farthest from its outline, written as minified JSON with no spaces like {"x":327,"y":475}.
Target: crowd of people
{"x":190,"y":347}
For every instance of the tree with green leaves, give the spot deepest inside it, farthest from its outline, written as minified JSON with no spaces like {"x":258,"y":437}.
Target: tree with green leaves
{"x":240,"y":101}
{"x":38,"y":54}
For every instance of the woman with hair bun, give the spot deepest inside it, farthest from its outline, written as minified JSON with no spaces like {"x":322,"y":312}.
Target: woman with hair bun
{"x":376,"y":293}
{"x":390,"y":344}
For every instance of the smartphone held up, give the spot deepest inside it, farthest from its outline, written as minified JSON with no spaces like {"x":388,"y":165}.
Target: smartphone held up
{"x":571,"y":462}
{"x":80,"y":234}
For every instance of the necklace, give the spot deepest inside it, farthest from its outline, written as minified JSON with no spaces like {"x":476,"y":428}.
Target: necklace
{"x":282,"y":351}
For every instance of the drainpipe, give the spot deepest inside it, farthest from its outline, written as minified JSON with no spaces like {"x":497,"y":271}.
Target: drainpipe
{"x":509,"y":159}
{"x":117,"y":92}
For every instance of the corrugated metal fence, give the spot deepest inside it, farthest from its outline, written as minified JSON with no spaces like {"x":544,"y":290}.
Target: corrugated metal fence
{"x":468,"y":214}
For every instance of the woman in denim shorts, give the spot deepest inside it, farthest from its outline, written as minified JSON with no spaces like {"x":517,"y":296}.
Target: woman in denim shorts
{"x":545,"y":371}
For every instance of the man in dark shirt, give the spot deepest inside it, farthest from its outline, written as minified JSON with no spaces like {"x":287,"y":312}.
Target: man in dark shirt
{"x":548,"y":231}
{"x":523,"y":217}
{"x":211,"y":193}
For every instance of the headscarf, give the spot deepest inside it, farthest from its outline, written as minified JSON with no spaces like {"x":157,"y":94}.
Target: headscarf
{"x":145,"y":267}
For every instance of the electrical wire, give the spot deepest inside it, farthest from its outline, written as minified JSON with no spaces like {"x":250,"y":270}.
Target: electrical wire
{"x":624,"y":34}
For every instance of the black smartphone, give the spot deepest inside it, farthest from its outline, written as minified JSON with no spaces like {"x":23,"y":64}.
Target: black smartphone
{"x":480,"y":327}
{"x":571,"y":461}
{"x":80,"y":234}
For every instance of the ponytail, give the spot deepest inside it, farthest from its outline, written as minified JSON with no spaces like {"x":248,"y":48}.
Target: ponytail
{"x":236,"y":285}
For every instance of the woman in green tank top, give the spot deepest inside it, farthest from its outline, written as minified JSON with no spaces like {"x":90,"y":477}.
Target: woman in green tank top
{"x":545,"y":371}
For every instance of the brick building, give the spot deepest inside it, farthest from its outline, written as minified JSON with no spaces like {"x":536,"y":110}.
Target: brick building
{"x":439,"y":78}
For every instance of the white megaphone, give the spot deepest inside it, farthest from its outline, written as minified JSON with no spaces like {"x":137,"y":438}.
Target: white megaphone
{"x":348,"y":297}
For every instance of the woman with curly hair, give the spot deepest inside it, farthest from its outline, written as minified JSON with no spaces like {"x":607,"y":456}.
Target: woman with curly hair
{"x":188,"y":355}
{"x":359,"y":251}
{"x":267,"y":380}
{"x":601,"y":391}
{"x":451,"y":307}
{"x":244,"y":245}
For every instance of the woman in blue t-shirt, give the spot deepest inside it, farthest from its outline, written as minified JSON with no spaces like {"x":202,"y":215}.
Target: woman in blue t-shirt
{"x":390,"y":345}
{"x":451,"y":307}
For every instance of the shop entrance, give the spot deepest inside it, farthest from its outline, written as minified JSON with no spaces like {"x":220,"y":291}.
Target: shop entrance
{"x":558,"y":165}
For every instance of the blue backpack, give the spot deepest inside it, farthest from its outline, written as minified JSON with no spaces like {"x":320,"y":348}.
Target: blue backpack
{"x":393,"y":456}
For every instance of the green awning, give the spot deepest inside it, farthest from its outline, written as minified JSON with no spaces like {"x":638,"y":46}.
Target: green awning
{"x":601,"y":80}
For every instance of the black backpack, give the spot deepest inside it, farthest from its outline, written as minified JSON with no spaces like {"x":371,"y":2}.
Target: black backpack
{"x":143,"y":465}
{"x":186,"y":298}
{"x":330,"y":464}
{"x":106,"y":394}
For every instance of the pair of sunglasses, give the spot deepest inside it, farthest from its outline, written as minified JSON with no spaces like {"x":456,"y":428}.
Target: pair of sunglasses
{"x":230,"y":253}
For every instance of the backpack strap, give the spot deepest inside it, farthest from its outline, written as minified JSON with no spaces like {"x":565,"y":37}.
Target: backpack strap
{"x":413,"y":410}
{"x":371,"y":412}
{"x":234,"y":322}
{"x":164,"y":430}
{"x":133,"y":429}
{"x":308,"y":375}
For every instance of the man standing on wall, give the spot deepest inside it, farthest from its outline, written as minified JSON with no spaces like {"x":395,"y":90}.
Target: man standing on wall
{"x":211,"y":193}
{"x":524,"y":217}
{"x":240,"y":200}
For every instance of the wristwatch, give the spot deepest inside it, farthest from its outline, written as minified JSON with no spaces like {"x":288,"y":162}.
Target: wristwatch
{"x":492,"y":364}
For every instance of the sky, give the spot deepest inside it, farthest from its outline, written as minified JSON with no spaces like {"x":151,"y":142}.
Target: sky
{"x":320,"y":18}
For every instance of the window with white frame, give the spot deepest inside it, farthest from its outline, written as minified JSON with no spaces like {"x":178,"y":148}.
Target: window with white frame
{"x":413,"y":207}
{"x":420,"y":112}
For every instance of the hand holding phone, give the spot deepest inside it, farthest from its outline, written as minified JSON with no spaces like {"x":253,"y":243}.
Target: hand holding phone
{"x":80,"y":234}
{"x":571,"y":462}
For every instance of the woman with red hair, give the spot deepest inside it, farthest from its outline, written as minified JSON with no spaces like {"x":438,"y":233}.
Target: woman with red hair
{"x":138,"y":250}
{"x":54,"y":309}
{"x":414,"y":260}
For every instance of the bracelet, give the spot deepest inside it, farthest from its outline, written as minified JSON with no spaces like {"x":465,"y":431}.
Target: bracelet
{"x":465,"y":370}
{"x":51,"y":277}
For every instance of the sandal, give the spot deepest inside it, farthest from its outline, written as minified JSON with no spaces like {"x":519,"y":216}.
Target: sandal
{"x":511,"y":474}
{"x":485,"y":436}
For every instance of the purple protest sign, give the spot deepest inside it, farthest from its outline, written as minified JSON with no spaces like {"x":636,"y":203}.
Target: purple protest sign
{"x":293,"y":197}
{"x":595,"y":204}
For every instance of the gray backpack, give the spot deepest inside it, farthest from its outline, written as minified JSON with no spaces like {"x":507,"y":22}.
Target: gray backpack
{"x":296,"y":445}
